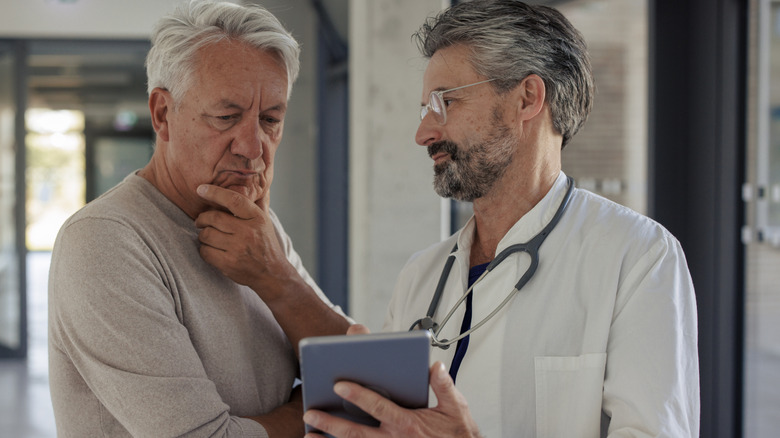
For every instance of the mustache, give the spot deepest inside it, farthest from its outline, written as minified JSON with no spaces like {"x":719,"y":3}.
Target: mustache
{"x":445,"y":146}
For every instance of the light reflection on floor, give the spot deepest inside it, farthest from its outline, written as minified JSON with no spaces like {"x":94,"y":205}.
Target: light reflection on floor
{"x":25,"y":403}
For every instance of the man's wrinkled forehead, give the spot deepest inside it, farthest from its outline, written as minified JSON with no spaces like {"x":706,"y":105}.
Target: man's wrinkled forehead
{"x":268,"y":71}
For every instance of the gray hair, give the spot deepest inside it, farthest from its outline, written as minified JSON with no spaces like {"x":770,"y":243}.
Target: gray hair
{"x":510,"y":40}
{"x":194,"y":24}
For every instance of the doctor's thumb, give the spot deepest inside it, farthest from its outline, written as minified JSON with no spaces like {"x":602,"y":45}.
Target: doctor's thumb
{"x":452,"y":403}
{"x":442,"y":383}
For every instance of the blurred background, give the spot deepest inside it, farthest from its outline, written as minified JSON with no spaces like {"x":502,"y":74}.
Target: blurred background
{"x":685,"y":129}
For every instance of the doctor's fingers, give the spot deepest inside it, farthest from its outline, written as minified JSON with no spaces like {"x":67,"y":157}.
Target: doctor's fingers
{"x":338,"y":427}
{"x":450,"y":399}
{"x":395,"y":420}
{"x":451,"y":402}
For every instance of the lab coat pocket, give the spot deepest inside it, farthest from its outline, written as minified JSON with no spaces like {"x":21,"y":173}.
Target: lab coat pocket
{"x":568,"y":395}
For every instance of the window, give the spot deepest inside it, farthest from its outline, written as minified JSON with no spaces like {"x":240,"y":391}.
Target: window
{"x":762,"y":234}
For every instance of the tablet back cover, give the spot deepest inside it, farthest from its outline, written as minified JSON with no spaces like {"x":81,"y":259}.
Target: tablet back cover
{"x":394,"y":365}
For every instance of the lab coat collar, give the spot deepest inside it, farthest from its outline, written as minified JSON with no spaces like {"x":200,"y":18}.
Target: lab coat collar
{"x":524,"y":229}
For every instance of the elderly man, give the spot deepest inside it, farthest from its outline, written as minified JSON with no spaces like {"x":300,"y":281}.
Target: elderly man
{"x":558,"y":312}
{"x":156,"y":327}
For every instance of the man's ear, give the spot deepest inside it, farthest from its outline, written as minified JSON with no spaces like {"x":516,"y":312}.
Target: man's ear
{"x":531,"y":97}
{"x":160,"y":101}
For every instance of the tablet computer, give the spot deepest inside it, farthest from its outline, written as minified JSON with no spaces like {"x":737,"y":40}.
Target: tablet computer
{"x":394,"y":365}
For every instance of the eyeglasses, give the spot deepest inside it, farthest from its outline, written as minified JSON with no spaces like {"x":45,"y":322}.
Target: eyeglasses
{"x":437,"y":105}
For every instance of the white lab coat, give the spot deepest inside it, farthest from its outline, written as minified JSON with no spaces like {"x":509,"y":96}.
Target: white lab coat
{"x":601,"y":342}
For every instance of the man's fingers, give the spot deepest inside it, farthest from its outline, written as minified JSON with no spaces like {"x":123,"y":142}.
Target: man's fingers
{"x":216,"y":229}
{"x":234,"y":202}
{"x":358,"y":329}
{"x":219,"y":220}
{"x":210,"y":254}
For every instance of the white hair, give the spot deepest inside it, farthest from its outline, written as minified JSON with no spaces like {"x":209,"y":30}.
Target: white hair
{"x":178,"y":37}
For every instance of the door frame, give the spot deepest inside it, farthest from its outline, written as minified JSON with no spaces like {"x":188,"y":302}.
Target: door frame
{"x":18,"y":50}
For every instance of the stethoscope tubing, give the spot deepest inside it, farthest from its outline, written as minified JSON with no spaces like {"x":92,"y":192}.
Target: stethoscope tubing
{"x":531,"y":248}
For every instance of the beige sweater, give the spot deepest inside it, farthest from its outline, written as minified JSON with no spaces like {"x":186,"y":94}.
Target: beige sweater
{"x":148,"y":340}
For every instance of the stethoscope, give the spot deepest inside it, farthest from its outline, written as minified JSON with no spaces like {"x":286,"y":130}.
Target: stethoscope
{"x":531,"y":247}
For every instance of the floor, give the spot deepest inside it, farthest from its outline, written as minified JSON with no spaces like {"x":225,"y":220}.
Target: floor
{"x":762,"y":399}
{"x":25,"y":404}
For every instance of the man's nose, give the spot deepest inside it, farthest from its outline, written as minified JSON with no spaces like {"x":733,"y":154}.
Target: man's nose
{"x":429,"y":130}
{"x":249,"y":139}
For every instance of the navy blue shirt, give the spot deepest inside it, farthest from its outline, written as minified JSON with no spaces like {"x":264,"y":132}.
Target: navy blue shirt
{"x":463,"y":344}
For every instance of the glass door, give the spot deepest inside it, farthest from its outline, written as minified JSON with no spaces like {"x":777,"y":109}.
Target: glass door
{"x":13,"y":342}
{"x":762,"y":234}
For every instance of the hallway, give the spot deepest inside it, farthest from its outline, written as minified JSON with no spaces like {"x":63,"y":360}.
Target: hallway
{"x":25,"y":403}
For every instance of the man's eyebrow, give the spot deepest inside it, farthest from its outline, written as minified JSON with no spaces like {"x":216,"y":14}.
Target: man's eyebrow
{"x":439,"y":88}
{"x":229,"y":104}
{"x":279,"y":107}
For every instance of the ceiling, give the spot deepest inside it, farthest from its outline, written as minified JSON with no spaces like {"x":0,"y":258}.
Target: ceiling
{"x":107,"y":78}
{"x":102,"y":79}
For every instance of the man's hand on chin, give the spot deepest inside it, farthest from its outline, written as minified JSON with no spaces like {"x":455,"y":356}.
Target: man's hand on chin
{"x":239,"y":238}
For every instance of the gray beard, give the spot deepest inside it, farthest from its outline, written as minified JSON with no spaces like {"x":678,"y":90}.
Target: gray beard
{"x":471,"y":173}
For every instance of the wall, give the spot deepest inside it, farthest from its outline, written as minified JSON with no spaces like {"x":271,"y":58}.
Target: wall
{"x":80,"y":18}
{"x":609,"y":154}
{"x":293,"y":194}
{"x":393,"y":209}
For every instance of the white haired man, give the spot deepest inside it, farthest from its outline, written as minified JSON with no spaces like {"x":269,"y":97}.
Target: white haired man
{"x":156,"y":328}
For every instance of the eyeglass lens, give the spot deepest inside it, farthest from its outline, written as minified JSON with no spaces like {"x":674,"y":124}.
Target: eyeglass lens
{"x":435,"y":104}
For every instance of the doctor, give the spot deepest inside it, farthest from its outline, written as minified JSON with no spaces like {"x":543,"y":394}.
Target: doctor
{"x":588,"y":330}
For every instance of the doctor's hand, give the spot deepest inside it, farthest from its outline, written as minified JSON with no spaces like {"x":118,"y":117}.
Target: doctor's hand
{"x":450,"y":418}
